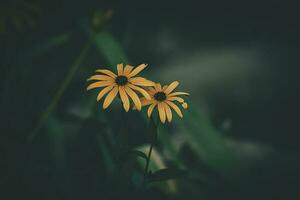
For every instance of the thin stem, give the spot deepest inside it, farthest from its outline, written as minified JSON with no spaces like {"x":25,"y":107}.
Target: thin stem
{"x":146,"y":171}
{"x":148,"y":161}
{"x":56,"y":98}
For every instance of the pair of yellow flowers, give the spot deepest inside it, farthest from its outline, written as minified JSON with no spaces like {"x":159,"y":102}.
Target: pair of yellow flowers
{"x":127,"y":85}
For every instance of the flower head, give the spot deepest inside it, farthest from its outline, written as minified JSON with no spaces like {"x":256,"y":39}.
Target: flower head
{"x":163,"y":99}
{"x":123,"y":83}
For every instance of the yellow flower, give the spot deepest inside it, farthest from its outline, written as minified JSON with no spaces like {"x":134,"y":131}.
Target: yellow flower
{"x":124,"y":83}
{"x":163,"y":98}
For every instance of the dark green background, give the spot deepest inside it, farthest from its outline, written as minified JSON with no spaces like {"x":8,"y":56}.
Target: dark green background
{"x":238,"y":59}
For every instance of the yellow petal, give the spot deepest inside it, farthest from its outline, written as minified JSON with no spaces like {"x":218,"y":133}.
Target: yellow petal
{"x":99,"y":84}
{"x":162,"y":112}
{"x":101,"y":78}
{"x":151,"y":93}
{"x":137,"y":70}
{"x":104,"y":92}
{"x":107,"y":72}
{"x":178,"y":93}
{"x":150,"y":109}
{"x":124,"y":98}
{"x":175,"y":107}
{"x":120,"y":69}
{"x":151,"y":90}
{"x":179,"y":99}
{"x":134,"y":97}
{"x":168,"y":112}
{"x":110,"y":97}
{"x":165,"y":87}
{"x":171,"y":87}
{"x":157,"y":87}
{"x":127,"y":70}
{"x":144,"y":102}
{"x":141,"y":81}
{"x":141,"y":90}
{"x":185,"y":105}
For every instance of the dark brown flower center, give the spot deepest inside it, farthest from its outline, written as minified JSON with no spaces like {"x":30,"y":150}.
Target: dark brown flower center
{"x":121,"y":80}
{"x":160,"y":96}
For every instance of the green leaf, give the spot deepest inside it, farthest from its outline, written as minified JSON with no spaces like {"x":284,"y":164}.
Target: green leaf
{"x":208,"y":142}
{"x":56,"y":138}
{"x":165,"y":139}
{"x":110,"y":48}
{"x":106,"y":154}
{"x":137,"y":179}
{"x":44,"y":46}
{"x":131,"y":155}
{"x":166,"y":174}
{"x":138,"y":154}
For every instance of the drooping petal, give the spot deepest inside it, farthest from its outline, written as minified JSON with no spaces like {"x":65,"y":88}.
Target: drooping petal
{"x":178,"y":93}
{"x":127,"y":70}
{"x":150,"y":109}
{"x":107,"y":72}
{"x":99,"y":84}
{"x":171,"y":87}
{"x":110,"y":97}
{"x":124,"y":98}
{"x":185,"y":105}
{"x":141,"y":90}
{"x":134,"y":97}
{"x":168,"y":112}
{"x":137,"y":70}
{"x":141,"y":81}
{"x":120,"y":69}
{"x":162,"y":112}
{"x":100,"y":78}
{"x":104,"y":92}
{"x":157,"y":87}
{"x":175,"y":107}
{"x":179,"y":99}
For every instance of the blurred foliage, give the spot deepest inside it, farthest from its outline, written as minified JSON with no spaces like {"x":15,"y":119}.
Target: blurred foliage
{"x":57,"y":143}
{"x":18,"y":14}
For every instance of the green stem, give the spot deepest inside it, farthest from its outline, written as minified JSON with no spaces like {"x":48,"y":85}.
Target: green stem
{"x":148,"y":161}
{"x":146,"y":171}
{"x":56,"y":98}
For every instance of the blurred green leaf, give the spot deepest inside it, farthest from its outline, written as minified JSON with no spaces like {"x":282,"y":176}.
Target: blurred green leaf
{"x":137,"y":179}
{"x":56,"y":139}
{"x":41,"y":48}
{"x":208,"y":142}
{"x":106,"y":154}
{"x":56,"y":142}
{"x":137,"y":153}
{"x":157,"y":163}
{"x":165,"y":139}
{"x":110,"y":48}
{"x":56,"y":98}
{"x":166,"y":174}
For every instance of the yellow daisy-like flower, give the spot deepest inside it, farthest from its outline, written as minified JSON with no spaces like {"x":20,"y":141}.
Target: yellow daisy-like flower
{"x":163,"y":98}
{"x":123,"y":83}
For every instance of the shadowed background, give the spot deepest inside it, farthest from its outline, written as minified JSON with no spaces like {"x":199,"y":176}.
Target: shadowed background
{"x":238,"y":140}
